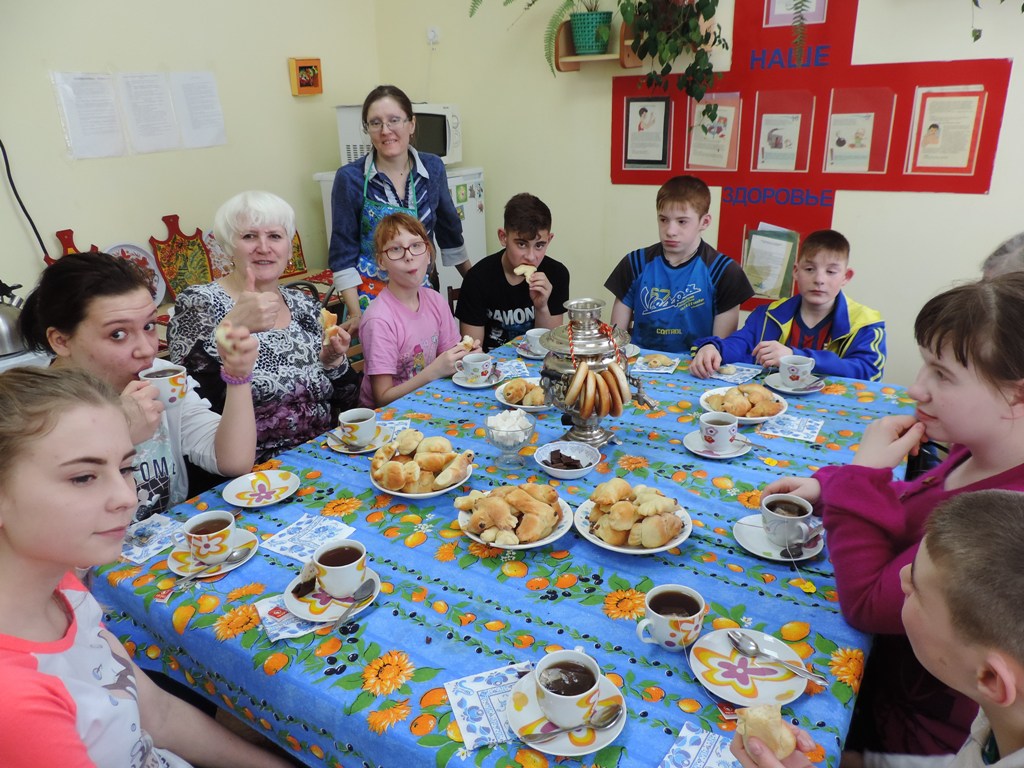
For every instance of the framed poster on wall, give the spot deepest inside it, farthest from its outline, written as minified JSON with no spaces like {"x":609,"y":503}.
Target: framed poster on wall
{"x":713,"y":144}
{"x":647,"y":132}
{"x":946,"y":129}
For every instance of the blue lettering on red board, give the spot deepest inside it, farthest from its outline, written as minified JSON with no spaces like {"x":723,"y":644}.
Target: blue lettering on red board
{"x":782,"y":196}
{"x":777,"y":58}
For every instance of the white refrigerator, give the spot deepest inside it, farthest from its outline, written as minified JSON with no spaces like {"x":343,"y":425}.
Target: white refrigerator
{"x":466,"y":186}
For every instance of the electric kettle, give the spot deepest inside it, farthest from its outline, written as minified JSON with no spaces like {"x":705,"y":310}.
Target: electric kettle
{"x":10,"y":309}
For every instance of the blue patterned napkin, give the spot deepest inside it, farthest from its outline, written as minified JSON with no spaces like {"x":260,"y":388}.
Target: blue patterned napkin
{"x":696,"y":748}
{"x":478,"y":703}
{"x":510,"y":369}
{"x":279,"y":623}
{"x":300,"y":539}
{"x":148,"y":538}
{"x":795,"y":427}
{"x":641,"y":366}
{"x":744,"y":373}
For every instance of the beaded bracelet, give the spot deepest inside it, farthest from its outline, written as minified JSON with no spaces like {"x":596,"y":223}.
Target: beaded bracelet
{"x":236,"y":381}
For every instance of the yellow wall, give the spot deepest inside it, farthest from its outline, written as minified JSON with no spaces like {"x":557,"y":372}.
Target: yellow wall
{"x":527,"y":129}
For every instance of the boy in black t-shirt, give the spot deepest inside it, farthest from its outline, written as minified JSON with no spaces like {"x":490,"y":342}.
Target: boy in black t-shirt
{"x":520,"y":287}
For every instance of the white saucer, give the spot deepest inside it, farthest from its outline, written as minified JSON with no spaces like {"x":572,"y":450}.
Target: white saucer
{"x":260,"y":489}
{"x":693,"y":444}
{"x":381,"y":437}
{"x":459,"y":379}
{"x":318,"y":606}
{"x":740,"y":680}
{"x":749,"y":533}
{"x":180,"y":560}
{"x":525,"y":716}
{"x":631,"y":351}
{"x":529,"y":354}
{"x":774,"y":381}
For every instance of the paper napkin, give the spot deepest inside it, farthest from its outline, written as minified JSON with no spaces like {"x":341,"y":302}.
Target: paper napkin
{"x":478,"y":703}
{"x":640,"y":366}
{"x":696,"y":748}
{"x":510,"y":369}
{"x":742,"y":375}
{"x":300,"y":539}
{"x":795,"y":427}
{"x":279,"y":623}
{"x":148,"y":538}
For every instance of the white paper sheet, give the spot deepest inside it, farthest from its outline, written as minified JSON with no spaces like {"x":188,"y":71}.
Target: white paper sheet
{"x":88,"y":105}
{"x":197,"y":106}
{"x":148,"y":111}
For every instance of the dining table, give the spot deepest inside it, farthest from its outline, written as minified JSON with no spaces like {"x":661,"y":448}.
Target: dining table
{"x":372,"y":692}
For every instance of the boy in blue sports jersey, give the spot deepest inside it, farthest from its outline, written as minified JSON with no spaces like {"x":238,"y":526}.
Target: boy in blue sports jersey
{"x":679,"y":289}
{"x":843,"y":337}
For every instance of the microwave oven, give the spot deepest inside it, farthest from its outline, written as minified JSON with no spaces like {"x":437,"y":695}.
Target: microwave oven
{"x":438,"y":131}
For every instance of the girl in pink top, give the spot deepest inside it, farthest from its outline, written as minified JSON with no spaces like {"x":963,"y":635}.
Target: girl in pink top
{"x":408,"y":333}
{"x":970,"y":395}
{"x":72,"y":696}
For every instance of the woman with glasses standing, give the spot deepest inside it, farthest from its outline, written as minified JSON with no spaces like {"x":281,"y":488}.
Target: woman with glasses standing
{"x":409,"y":335}
{"x":392,"y":178}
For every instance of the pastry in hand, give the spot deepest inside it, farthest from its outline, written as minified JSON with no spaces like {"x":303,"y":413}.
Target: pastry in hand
{"x":467,"y":342}
{"x":526,"y":270}
{"x":765,"y":722}
{"x":329,"y":322}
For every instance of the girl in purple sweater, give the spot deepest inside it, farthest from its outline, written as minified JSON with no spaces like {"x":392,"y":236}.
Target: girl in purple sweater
{"x":970,"y":395}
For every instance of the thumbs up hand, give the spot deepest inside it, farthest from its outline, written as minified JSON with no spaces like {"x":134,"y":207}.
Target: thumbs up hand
{"x":256,"y":310}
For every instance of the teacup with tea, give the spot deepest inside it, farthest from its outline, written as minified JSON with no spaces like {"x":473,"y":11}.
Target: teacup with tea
{"x":476,"y":367}
{"x":171,"y":382}
{"x":787,"y":520}
{"x":568,"y":683}
{"x":208,"y":535}
{"x":674,"y":615}
{"x":340,"y":566}
{"x":357,"y":427}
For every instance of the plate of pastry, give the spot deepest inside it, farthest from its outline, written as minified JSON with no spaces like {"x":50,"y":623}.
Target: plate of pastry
{"x":413,"y":466}
{"x":633,"y":520}
{"x":526,"y":394}
{"x":749,"y":403}
{"x":514,"y":516}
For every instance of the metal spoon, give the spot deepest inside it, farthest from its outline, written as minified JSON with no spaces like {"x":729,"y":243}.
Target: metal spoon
{"x":362,"y":592}
{"x":810,"y":385}
{"x":601,"y":720}
{"x":748,"y":646}
{"x":237,"y":555}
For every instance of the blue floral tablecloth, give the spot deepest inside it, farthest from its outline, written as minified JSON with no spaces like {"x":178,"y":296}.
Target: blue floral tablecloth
{"x":449,"y":607}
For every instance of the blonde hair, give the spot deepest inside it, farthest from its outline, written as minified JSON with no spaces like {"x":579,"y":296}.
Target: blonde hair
{"x":32,"y":401}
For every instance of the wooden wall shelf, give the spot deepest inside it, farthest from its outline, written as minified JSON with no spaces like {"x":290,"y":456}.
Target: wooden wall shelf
{"x":566,"y":59}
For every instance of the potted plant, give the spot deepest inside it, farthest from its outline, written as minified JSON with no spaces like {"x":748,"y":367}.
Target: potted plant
{"x":591,"y":27}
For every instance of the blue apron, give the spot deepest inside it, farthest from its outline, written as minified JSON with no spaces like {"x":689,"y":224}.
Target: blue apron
{"x":373,"y":277}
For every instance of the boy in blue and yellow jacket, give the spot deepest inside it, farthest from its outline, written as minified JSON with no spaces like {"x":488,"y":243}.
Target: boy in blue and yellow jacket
{"x":844,"y":338}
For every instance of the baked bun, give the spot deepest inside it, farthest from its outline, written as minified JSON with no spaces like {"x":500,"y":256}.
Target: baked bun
{"x":329,"y":322}
{"x":764,"y":722}
{"x":657,"y":361}
{"x":514,"y":391}
{"x":526,"y":270}
{"x":467,"y":342}
{"x":221,"y":336}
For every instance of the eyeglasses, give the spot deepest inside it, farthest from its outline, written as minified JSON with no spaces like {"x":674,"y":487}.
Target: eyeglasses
{"x":376,"y":126}
{"x":396,"y":252}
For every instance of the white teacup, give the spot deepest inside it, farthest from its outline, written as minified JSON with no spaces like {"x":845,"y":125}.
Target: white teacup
{"x":533,"y":337}
{"x":357,"y":426}
{"x":208,"y":536}
{"x":787,"y":520}
{"x":340,"y":566}
{"x":718,"y":431}
{"x":475,"y":367}
{"x":675,"y":616}
{"x":795,"y":370}
{"x":568,"y":684}
{"x":171,"y":381}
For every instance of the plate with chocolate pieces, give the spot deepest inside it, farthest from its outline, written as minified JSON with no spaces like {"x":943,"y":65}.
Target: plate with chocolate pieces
{"x":567,"y":460}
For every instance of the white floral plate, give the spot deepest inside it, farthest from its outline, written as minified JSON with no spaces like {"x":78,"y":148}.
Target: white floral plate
{"x":742,"y":419}
{"x":749,"y":532}
{"x":500,"y":394}
{"x":525,"y":716}
{"x":564,"y":524}
{"x":429,"y":495}
{"x":732,"y":676}
{"x":260,"y":489}
{"x":321,"y":607}
{"x":582,"y":520}
{"x":182,"y":563}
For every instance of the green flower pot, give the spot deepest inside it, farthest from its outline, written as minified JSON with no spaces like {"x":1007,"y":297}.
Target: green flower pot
{"x":590,"y":31}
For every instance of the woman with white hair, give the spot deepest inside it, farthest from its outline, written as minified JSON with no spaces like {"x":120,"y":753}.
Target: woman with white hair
{"x":297,"y":370}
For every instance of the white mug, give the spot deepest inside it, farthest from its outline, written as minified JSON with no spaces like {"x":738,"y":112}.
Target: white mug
{"x":208,"y":536}
{"x":357,"y":426}
{"x":563,"y":691}
{"x":475,"y":367}
{"x":788,"y":529}
{"x":340,"y":566}
{"x":795,"y":370}
{"x":533,"y":337}
{"x":171,"y":382}
{"x":718,"y":431}
{"x":674,"y":614}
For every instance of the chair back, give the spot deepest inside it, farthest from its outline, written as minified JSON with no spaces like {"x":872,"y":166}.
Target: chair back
{"x":453,"y":297}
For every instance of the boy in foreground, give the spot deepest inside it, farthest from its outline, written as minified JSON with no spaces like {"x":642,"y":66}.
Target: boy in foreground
{"x":679,"y":289}
{"x":519,"y":287}
{"x":843,"y":337}
{"x":965,"y":619}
